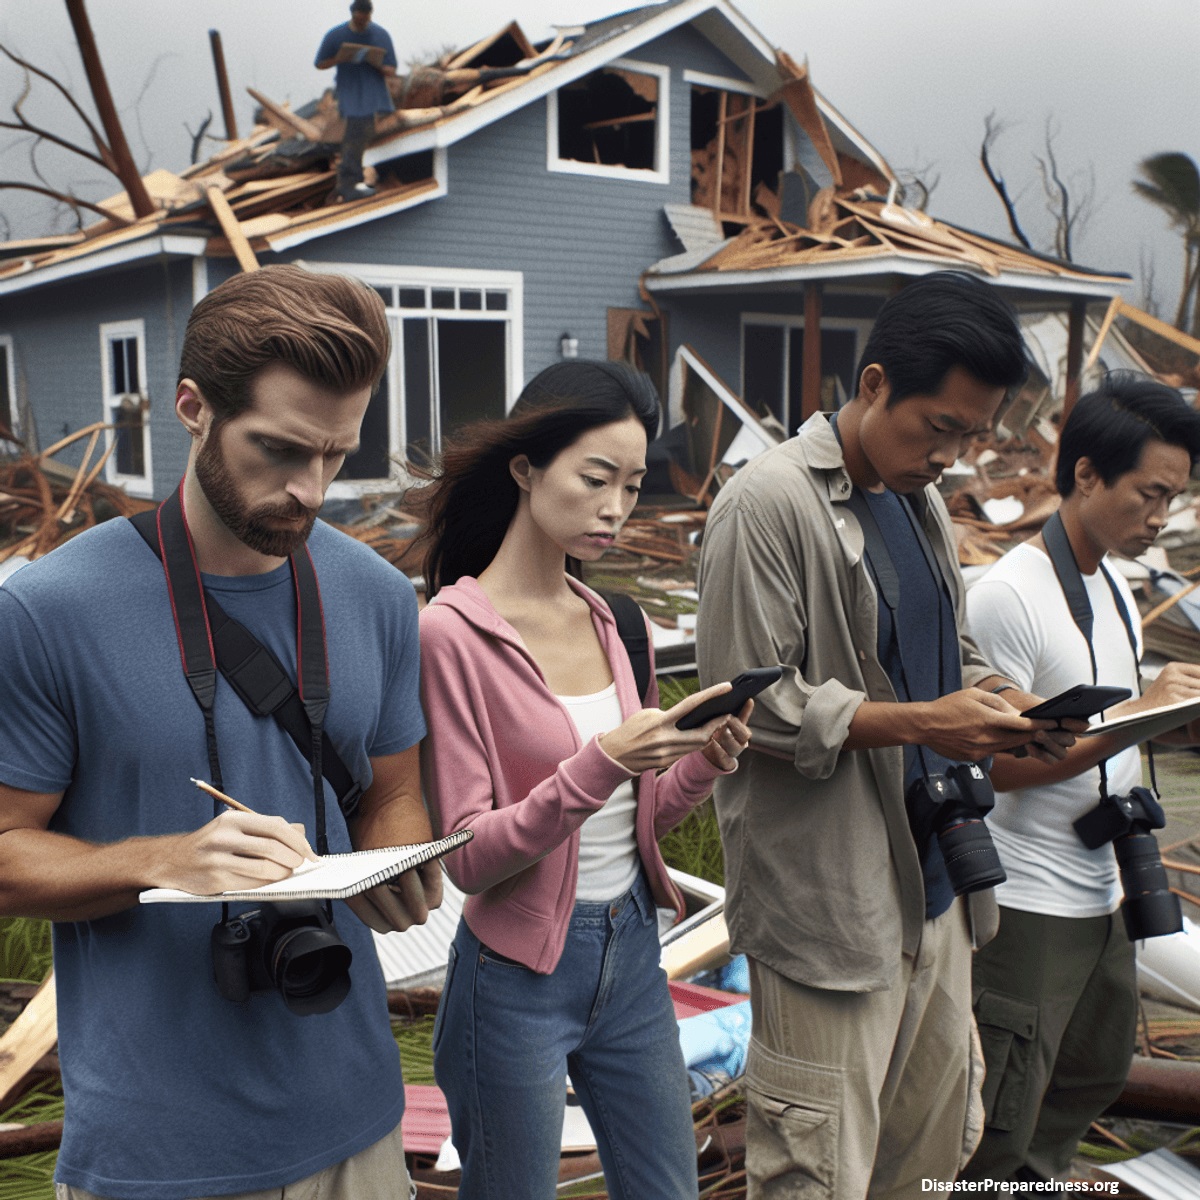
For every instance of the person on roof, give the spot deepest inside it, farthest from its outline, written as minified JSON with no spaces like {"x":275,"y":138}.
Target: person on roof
{"x":542,"y":743}
{"x":362,"y":90}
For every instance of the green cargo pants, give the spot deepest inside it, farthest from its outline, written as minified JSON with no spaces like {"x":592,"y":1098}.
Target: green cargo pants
{"x":1056,"y":1003}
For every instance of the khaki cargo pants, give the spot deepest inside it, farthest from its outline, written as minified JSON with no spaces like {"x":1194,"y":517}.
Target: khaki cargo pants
{"x":864,"y":1094}
{"x":376,"y":1173}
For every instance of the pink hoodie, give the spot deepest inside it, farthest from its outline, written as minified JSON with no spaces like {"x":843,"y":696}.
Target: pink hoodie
{"x":503,"y":759}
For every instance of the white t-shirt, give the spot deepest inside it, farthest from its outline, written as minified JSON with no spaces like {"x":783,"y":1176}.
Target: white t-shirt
{"x":1018,"y":616}
{"x":608,"y":853}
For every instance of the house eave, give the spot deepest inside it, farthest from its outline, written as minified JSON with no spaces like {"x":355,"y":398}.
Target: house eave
{"x":154,"y":246}
{"x":781,"y":278}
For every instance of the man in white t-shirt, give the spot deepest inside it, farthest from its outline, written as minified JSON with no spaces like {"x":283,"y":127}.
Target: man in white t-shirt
{"x":1055,"y":993}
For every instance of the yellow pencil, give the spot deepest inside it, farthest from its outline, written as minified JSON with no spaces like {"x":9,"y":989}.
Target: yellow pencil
{"x":237,"y":805}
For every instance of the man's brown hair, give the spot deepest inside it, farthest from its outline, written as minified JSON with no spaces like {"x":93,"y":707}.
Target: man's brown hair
{"x":330,"y":329}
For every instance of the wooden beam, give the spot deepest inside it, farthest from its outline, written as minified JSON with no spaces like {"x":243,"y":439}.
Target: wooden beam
{"x":1160,"y":327}
{"x":230,"y":227}
{"x":29,"y":1038}
{"x":304,"y":128}
{"x":31,"y":1139}
{"x":1075,"y":324}
{"x":231,"y":133}
{"x":127,"y":172}
{"x":810,"y":379}
{"x":1110,"y":315}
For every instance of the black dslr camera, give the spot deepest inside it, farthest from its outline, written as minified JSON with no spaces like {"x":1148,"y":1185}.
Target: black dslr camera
{"x":292,"y":947}
{"x":1150,"y":908}
{"x":953,"y":806}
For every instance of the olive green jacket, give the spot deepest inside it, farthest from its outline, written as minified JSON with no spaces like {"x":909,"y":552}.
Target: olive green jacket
{"x":822,"y":875}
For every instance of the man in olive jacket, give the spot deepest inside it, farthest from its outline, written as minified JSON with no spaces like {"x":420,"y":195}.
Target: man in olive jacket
{"x":859,"y":1070}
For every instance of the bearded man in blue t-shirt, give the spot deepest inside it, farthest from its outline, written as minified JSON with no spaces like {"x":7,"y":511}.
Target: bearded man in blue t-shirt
{"x":174,"y":1091}
{"x":362,"y":90}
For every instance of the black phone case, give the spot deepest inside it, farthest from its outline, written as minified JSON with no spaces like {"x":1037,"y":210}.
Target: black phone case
{"x":1078,"y":703}
{"x":745,"y":687}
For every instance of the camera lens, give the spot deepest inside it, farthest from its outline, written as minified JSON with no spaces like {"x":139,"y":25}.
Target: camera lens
{"x":311,"y":969}
{"x":970,"y":856}
{"x":1150,"y":908}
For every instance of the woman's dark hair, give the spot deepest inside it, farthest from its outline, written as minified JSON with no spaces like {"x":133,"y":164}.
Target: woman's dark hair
{"x":1112,"y":425}
{"x":941,"y":321}
{"x":471,"y":503}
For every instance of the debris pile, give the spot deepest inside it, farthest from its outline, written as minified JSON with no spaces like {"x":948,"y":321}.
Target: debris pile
{"x":43,"y":503}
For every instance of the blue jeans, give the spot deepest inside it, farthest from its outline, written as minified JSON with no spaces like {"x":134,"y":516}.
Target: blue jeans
{"x":505,"y":1038}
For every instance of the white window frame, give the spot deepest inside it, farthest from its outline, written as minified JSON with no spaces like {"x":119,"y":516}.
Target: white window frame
{"x":860,"y":325}
{"x":135,"y":485}
{"x":389,"y":275}
{"x":662,"y":132}
{"x":14,"y":409}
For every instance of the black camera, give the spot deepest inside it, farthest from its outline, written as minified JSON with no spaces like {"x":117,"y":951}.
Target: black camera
{"x":953,"y":806}
{"x":292,"y":947}
{"x":1150,"y":908}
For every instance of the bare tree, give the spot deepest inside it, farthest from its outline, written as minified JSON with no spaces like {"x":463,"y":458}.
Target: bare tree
{"x":992,"y":129}
{"x":1071,"y":207}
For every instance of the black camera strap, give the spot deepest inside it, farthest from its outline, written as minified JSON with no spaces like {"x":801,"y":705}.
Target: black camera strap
{"x":1070,"y":579}
{"x":209,"y":639}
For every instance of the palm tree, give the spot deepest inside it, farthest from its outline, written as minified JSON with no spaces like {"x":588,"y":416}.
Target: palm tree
{"x":1172,"y":181}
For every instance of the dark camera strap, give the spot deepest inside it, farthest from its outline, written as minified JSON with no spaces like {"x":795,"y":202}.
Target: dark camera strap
{"x":1070,"y":579}
{"x":211,"y":640}
{"x":631,"y":628}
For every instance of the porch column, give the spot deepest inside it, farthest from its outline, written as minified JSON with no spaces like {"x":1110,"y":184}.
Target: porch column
{"x":1075,"y":322}
{"x":810,"y":380}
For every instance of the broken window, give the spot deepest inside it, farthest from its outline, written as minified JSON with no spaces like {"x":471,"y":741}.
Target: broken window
{"x":610,"y":119}
{"x":737,"y":149}
{"x":126,"y":405}
{"x":773,"y":369}
{"x":636,"y":336}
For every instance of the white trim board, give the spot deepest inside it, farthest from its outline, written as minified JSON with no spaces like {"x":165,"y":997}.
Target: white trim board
{"x":11,"y":382}
{"x":135,"y":485}
{"x":167,"y":245}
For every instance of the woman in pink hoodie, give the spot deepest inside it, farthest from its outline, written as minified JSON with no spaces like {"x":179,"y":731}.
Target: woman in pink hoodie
{"x":540,"y":744}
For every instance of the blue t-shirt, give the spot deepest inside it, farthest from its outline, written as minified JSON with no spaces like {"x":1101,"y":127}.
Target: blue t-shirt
{"x":924,"y":609}
{"x":171,"y":1090}
{"x":361,"y":89}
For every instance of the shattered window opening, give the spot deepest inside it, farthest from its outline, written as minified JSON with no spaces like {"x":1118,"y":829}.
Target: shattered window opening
{"x":737,"y":149}
{"x":611,"y":119}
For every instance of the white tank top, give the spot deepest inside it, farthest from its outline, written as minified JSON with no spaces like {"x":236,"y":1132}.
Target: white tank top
{"x":608,"y":853}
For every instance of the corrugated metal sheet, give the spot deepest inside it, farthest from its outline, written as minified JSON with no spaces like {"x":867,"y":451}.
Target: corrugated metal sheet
{"x":417,"y":958}
{"x":1159,"y":1175}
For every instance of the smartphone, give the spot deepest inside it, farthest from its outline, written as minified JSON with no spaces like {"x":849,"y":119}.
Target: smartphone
{"x":1080,"y":702}
{"x":747,"y":685}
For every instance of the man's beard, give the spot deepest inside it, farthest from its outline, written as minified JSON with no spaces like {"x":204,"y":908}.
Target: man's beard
{"x":248,"y":525}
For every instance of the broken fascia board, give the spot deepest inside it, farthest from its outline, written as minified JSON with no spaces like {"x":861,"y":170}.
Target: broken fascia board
{"x":448,"y":130}
{"x":689,"y":358}
{"x":154,"y":246}
{"x":1102,"y":287}
{"x":852,"y":135}
{"x":1159,"y":1175}
{"x":317,"y":229}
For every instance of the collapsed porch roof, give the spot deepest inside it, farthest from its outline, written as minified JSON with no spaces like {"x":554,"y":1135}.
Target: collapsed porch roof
{"x":857,"y":236}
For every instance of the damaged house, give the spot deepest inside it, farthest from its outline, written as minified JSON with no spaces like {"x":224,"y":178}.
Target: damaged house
{"x":661,"y":185}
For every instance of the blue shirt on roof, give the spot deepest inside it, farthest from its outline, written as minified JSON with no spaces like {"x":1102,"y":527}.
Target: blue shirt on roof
{"x":173,"y":1091}
{"x":361,"y":88}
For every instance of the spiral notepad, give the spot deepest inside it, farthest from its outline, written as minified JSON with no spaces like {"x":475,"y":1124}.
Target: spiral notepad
{"x":333,"y":877}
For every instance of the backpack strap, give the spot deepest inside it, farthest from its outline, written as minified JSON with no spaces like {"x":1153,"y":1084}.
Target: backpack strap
{"x":262,"y":684}
{"x":631,"y":625}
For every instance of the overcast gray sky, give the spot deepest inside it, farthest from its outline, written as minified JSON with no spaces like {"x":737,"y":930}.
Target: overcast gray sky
{"x":1121,"y":82}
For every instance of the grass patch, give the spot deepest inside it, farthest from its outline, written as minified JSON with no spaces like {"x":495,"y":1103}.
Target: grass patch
{"x":24,"y":950}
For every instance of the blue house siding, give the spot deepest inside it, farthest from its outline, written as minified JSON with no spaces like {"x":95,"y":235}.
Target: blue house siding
{"x":581,"y":241}
{"x":56,"y":342}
